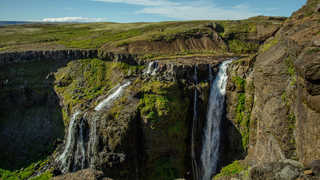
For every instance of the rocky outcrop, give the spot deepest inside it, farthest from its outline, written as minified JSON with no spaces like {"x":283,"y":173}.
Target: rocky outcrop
{"x":31,"y":124}
{"x":86,"y":174}
{"x":65,"y":55}
{"x":285,"y":83}
{"x":56,"y":55}
{"x":275,"y":97}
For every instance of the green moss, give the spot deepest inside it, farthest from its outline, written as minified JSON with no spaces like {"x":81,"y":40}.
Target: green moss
{"x":242,"y":110}
{"x":231,"y":169}
{"x":164,"y":109}
{"x":154,"y":107}
{"x":45,"y":176}
{"x":268,"y":44}
{"x":291,"y":71}
{"x":234,"y":28}
{"x":243,"y":120}
{"x":240,"y":82}
{"x":83,"y":80}
{"x":242,"y":46}
{"x":26,"y":173}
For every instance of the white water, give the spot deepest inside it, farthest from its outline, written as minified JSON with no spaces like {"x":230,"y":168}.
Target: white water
{"x":70,"y":138}
{"x":152,"y":68}
{"x":108,"y":101}
{"x":81,"y":144}
{"x":211,"y":139}
{"x":195,"y":168}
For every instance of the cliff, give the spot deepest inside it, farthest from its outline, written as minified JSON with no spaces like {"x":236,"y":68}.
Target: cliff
{"x":276,"y":91}
{"x":150,"y":75}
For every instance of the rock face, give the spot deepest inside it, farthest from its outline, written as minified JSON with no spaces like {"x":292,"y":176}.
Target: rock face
{"x":272,"y":104}
{"x":31,"y":123}
{"x":285,"y":85}
{"x":144,"y":134}
{"x":86,"y":174}
{"x":273,"y":99}
{"x":63,"y":55}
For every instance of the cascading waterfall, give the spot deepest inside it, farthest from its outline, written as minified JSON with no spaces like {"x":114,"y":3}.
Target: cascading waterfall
{"x":80,"y":156}
{"x":74,"y":156}
{"x":211,"y":138}
{"x":152,"y":68}
{"x":106,"y":103}
{"x":64,"y":157}
{"x":195,"y":168}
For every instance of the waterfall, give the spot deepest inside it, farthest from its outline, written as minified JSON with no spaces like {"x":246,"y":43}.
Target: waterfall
{"x":75,"y":156}
{"x":211,"y":138}
{"x":106,"y":103}
{"x":93,"y":141}
{"x":80,"y":157}
{"x":152,"y":68}
{"x":70,"y":142}
{"x":195,"y":168}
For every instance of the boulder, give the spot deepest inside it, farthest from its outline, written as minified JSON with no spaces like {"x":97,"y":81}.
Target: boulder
{"x":315,"y":167}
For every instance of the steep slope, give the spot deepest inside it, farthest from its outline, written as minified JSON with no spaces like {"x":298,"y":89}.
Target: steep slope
{"x":60,"y":73}
{"x":278,"y":98}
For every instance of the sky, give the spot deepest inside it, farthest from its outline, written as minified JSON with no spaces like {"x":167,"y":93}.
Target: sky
{"x":142,"y":10}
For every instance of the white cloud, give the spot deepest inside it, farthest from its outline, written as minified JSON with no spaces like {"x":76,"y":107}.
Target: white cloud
{"x":201,"y":11}
{"x":189,"y":10}
{"x":143,"y":2}
{"x":73,"y":19}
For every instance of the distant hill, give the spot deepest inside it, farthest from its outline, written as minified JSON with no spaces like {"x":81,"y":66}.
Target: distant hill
{"x":5,"y":23}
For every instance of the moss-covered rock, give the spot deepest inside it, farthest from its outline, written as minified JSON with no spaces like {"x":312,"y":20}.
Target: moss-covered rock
{"x":164,"y":112}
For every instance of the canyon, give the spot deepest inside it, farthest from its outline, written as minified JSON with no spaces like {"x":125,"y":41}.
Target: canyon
{"x":226,"y":100}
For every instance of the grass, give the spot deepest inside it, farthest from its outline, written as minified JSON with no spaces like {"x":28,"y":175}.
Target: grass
{"x":83,"y":80}
{"x":242,"y":111}
{"x":97,"y":35}
{"x":242,"y":46}
{"x":232,"y":169}
{"x":268,"y":44}
{"x":291,"y":71}
{"x":27,"y":172}
{"x":93,"y":35}
{"x":240,"y":82}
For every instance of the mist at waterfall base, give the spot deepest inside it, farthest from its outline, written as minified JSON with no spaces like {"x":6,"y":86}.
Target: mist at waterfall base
{"x":212,"y":131}
{"x":77,"y":153}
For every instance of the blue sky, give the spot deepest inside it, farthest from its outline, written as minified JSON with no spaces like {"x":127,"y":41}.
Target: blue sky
{"x":142,"y":10}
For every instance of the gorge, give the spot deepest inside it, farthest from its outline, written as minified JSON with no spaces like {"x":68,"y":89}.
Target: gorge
{"x":197,"y":100}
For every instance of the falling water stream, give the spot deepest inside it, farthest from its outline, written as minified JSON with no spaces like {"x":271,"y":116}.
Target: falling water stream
{"x":211,"y":139}
{"x":106,"y":103}
{"x":76,"y":135}
{"x":69,"y":143}
{"x":152,"y":68}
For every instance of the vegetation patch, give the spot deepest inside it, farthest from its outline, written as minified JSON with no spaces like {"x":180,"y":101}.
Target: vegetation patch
{"x":232,"y":169}
{"x":163,"y":108}
{"x":239,"y":82}
{"x":242,"y":46}
{"x":291,"y":71}
{"x":242,"y":112}
{"x":27,"y":172}
{"x":84,"y":80}
{"x":268,"y":44}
